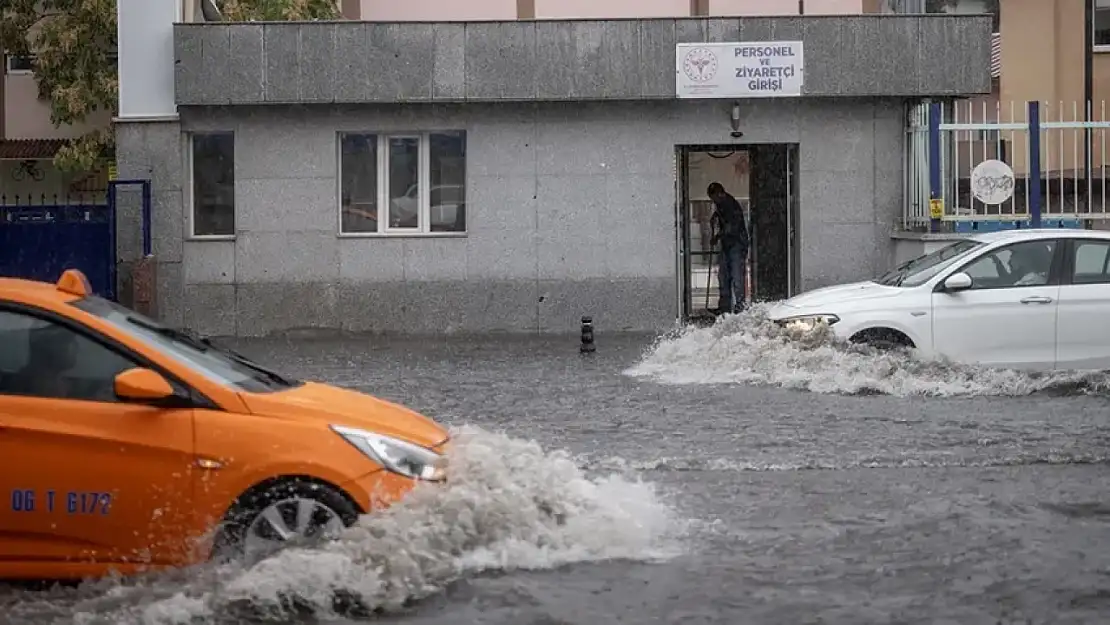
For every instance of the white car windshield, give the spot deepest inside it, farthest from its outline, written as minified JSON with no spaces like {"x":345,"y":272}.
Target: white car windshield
{"x":218,"y":364}
{"x":919,"y":270}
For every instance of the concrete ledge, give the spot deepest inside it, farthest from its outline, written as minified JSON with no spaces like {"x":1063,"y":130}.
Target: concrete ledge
{"x":430,"y":308}
{"x":359,"y":62}
{"x":906,"y":235}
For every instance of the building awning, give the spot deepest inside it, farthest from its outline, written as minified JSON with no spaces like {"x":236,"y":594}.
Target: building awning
{"x":996,"y":55}
{"x":29,"y":149}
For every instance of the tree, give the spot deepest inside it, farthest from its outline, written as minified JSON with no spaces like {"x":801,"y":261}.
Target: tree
{"x":74,"y":44}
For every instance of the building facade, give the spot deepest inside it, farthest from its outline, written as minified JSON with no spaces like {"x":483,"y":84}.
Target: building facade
{"x":29,"y":140}
{"x":502,"y":176}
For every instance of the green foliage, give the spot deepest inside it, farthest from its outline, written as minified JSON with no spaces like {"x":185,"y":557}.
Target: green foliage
{"x":279,"y":10}
{"x":74,"y":43}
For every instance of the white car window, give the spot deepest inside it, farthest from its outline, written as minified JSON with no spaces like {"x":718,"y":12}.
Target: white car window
{"x":1092,"y":260}
{"x":920,"y":270}
{"x":1020,"y":264}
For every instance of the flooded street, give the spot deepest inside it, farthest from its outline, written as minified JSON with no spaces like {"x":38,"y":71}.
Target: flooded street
{"x":721,"y":476}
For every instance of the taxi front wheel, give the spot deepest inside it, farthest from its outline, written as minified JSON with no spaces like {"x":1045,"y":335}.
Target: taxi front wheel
{"x":292,"y":512}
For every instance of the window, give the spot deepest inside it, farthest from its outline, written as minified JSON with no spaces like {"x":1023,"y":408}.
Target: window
{"x":402,"y":183}
{"x":1092,"y":260}
{"x":1102,"y":25}
{"x":964,"y":7}
{"x":39,"y":358}
{"x":920,"y":270}
{"x":219,"y":366}
{"x":19,"y":64}
{"x":212,"y":169}
{"x":1017,"y":265}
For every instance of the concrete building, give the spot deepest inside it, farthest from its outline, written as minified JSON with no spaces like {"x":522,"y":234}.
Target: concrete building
{"x":29,"y":141}
{"x":506,"y":176}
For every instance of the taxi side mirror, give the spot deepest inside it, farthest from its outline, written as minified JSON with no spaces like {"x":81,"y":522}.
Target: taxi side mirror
{"x":143,"y":386}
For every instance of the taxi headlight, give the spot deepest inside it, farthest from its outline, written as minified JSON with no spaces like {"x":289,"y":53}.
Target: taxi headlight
{"x":401,"y":457}
{"x":807,"y":323}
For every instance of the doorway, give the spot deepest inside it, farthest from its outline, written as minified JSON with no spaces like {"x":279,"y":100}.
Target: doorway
{"x":763,"y":178}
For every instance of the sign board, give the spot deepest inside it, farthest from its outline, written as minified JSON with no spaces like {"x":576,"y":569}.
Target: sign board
{"x":992,"y":182}
{"x":936,"y":208}
{"x":753,"y":69}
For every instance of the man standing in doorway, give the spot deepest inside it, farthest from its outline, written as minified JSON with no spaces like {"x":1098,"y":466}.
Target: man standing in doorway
{"x":731,"y":229}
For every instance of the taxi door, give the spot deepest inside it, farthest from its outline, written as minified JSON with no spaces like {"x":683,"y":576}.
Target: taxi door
{"x":85,"y":476}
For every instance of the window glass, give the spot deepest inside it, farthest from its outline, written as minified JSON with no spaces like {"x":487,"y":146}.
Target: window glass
{"x":39,"y":358}
{"x":209,"y":362}
{"x":1091,"y":262}
{"x":392,"y":171}
{"x":358,"y":160}
{"x":404,"y":182}
{"x":1102,"y":23}
{"x":447,"y":158}
{"x":920,"y":270}
{"x":1017,"y":265}
{"x":213,"y":158}
{"x":20,"y":64}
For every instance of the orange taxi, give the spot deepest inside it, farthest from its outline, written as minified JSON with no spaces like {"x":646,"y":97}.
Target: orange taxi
{"x":127,"y":445}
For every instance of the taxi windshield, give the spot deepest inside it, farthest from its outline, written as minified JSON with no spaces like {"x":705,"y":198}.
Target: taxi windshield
{"x":218,"y":364}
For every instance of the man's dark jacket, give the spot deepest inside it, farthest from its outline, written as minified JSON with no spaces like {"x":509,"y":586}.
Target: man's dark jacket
{"x":731,"y":227}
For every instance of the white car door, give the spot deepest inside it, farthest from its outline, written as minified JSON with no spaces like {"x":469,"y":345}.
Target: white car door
{"x":1007,"y":318}
{"x":1082,"y":329}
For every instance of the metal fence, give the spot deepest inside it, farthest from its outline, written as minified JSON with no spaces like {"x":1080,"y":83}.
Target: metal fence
{"x":1048,"y":146}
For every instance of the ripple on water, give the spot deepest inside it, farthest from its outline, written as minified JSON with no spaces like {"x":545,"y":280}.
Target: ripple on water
{"x":508,"y":504}
{"x":750,"y":349}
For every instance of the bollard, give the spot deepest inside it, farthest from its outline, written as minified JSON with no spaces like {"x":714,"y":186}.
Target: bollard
{"x":587,"y":336}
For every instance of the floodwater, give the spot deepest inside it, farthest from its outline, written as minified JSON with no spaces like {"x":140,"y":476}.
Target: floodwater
{"x":721,"y":475}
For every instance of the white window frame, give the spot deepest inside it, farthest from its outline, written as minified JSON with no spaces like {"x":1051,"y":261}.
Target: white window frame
{"x":9,"y":70}
{"x":187,"y":149}
{"x":424,"y":180}
{"x":1100,"y":5}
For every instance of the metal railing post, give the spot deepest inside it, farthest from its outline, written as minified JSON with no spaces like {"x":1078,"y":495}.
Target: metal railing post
{"x":1034,"y":163}
{"x":935,"y":191}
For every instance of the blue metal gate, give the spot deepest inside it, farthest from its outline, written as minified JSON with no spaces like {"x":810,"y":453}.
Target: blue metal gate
{"x":42,"y":237}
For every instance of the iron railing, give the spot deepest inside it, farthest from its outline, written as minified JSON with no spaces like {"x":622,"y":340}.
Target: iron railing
{"x":1048,"y":147}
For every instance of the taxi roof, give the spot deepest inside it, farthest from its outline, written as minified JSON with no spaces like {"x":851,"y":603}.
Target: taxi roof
{"x":39,"y":292}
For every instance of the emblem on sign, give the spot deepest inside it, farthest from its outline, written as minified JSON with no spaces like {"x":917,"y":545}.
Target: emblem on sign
{"x":992,"y":182}
{"x":700,"y":64}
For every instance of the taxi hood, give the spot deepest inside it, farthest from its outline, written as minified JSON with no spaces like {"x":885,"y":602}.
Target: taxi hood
{"x":331,"y":405}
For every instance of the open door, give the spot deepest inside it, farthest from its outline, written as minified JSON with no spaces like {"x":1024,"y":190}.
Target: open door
{"x":773,"y":221}
{"x":682,"y":229}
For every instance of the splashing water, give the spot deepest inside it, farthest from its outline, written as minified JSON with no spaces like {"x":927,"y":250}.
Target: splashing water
{"x":750,"y":349}
{"x":507,"y":505}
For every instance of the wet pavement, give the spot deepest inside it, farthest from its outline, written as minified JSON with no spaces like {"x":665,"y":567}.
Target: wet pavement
{"x":782,"y":487}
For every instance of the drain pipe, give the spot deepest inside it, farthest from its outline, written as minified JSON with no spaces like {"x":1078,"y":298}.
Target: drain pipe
{"x":1088,"y":95}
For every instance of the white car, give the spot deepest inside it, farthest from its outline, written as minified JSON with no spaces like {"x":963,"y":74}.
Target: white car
{"x":445,"y":201}
{"x":1021,"y":299}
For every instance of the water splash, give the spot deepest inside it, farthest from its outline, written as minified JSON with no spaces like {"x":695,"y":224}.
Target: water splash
{"x":750,"y":349}
{"x":508,"y":504}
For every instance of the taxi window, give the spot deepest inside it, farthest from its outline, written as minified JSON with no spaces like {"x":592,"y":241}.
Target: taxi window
{"x":212,"y":363}
{"x":40,"y":358}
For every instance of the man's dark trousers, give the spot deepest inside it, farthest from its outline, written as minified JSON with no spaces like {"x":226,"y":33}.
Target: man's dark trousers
{"x":731,"y":276}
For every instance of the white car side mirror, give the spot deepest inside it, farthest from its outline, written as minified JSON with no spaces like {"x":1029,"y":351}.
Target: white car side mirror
{"x":957,"y":282}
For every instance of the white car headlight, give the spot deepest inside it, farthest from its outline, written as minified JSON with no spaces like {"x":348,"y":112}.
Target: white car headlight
{"x":807,"y":323}
{"x":401,"y":457}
